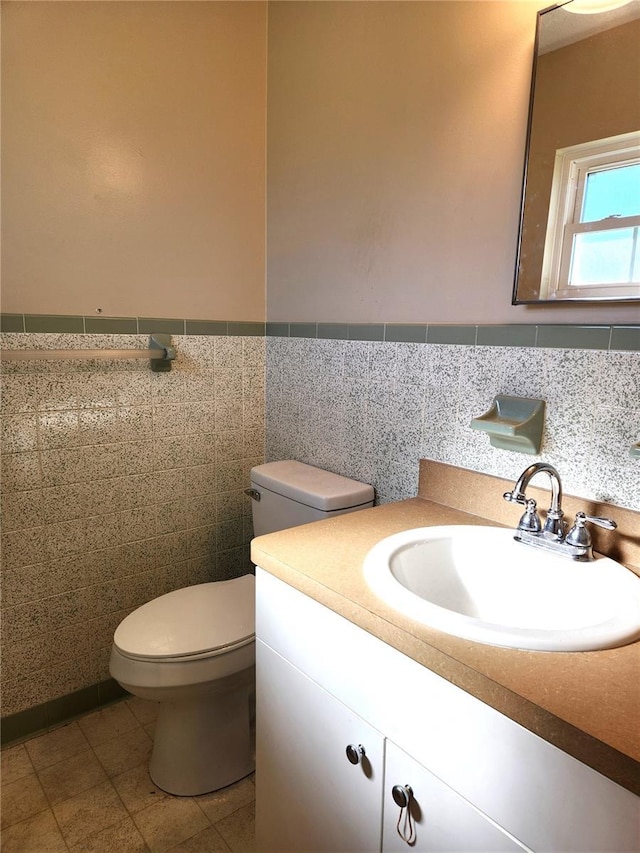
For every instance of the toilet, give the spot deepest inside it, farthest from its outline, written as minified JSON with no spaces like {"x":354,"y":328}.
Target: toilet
{"x":193,"y":649}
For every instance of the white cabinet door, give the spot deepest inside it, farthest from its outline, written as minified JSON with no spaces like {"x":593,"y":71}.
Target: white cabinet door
{"x":442,"y":820}
{"x":309,"y":796}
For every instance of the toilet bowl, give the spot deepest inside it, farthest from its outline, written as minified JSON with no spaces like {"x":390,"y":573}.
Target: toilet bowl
{"x":193,"y":650}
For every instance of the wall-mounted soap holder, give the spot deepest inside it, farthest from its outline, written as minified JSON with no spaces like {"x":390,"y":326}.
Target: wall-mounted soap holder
{"x":634,"y":450}
{"x":513,"y":423}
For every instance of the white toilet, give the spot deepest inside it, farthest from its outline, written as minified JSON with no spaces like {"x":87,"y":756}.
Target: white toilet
{"x":193,"y":650}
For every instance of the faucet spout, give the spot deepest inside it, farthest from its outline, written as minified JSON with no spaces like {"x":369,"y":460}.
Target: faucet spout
{"x":553,"y":524}
{"x":556,"y":486}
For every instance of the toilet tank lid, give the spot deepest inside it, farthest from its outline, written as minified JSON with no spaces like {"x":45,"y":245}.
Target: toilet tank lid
{"x":311,"y":486}
{"x":204,"y":618}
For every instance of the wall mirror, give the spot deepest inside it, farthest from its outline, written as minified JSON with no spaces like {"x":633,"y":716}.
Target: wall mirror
{"x":579,"y":236}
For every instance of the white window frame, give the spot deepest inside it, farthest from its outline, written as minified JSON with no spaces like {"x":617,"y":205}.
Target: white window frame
{"x":571,"y":168}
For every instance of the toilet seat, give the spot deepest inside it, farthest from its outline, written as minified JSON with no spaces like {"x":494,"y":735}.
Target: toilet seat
{"x":193,"y":622}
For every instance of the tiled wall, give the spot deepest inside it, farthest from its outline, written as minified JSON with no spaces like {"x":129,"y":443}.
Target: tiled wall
{"x":371,"y":409}
{"x":118,"y":484}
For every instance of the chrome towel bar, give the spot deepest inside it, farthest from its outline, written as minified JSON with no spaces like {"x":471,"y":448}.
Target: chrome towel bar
{"x":160,"y":353}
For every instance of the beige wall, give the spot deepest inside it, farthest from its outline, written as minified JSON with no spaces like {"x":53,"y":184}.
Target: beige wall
{"x":396,"y":136}
{"x":133,"y":158}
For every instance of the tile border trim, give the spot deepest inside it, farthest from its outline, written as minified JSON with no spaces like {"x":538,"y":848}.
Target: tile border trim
{"x":620,"y":337}
{"x":560,"y":336}
{"x":79,"y":325}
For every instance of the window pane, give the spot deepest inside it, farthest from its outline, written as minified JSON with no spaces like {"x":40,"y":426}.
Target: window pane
{"x":603,"y":257}
{"x":612,"y":192}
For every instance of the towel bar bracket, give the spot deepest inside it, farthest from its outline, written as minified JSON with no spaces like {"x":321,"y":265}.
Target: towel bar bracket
{"x":161,"y":342}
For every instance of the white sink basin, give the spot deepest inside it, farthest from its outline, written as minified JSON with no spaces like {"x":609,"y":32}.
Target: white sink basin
{"x":478,"y":583}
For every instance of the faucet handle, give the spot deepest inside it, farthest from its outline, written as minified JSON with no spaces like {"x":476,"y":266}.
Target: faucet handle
{"x":530,"y":521}
{"x":579,"y":534}
{"x":607,"y":523}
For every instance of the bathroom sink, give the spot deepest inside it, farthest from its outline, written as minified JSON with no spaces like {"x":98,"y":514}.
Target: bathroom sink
{"x":480,"y":584}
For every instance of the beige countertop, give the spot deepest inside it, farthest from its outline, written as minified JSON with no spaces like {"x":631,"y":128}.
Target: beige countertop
{"x":585,"y":703}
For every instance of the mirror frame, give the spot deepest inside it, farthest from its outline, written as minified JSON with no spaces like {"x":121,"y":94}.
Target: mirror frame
{"x":514,"y":298}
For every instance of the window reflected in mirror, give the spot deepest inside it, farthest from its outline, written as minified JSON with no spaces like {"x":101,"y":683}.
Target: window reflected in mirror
{"x":591,"y":244}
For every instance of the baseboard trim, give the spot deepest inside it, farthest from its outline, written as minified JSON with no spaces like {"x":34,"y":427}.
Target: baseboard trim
{"x":57,"y":712}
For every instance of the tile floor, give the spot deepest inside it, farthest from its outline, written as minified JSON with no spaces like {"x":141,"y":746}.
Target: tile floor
{"x":85,"y":788}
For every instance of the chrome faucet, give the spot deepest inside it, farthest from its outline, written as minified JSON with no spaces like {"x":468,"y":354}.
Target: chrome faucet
{"x":554,"y":525}
{"x":577,"y":542}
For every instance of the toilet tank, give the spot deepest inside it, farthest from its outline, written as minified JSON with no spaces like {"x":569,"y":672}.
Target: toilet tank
{"x":287,"y":493}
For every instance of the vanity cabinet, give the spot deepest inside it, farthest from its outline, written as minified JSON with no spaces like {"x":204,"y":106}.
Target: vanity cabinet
{"x":480,"y":781}
{"x":316,"y":799}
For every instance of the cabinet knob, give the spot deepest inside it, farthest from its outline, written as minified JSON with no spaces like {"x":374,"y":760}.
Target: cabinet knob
{"x":406,"y":827}
{"x":355,"y":754}
{"x":401,"y":795}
